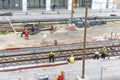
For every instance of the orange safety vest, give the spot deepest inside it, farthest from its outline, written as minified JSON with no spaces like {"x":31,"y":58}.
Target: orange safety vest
{"x":62,"y":76}
{"x":26,"y":33}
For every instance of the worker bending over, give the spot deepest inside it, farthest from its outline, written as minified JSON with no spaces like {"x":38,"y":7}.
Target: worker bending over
{"x":71,"y":59}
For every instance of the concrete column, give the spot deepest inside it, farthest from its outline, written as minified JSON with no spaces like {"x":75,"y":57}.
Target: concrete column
{"x":99,"y":4}
{"x":48,"y":5}
{"x":24,"y":5}
{"x":69,"y":4}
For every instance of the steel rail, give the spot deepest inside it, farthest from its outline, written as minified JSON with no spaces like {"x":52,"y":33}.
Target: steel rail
{"x":64,"y":56}
{"x":33,"y":56}
{"x":46,"y":52}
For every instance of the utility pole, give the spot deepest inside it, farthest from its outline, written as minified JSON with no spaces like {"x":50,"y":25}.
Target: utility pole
{"x":72,"y":13}
{"x":84,"y":46}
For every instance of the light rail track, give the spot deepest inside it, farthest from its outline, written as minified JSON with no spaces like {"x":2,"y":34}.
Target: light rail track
{"x":40,"y":54}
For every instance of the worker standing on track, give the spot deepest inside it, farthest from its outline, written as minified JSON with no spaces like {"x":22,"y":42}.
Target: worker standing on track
{"x":104,"y":52}
{"x":96,"y":55}
{"x":51,"y":57}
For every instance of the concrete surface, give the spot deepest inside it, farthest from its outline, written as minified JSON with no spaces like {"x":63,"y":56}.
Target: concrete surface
{"x":110,"y":71}
{"x":62,"y":35}
{"x":63,"y":13}
{"x":95,"y":69}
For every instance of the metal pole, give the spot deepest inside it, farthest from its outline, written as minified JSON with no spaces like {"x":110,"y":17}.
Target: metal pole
{"x":101,"y":73}
{"x":84,"y":46}
{"x":72,"y":13}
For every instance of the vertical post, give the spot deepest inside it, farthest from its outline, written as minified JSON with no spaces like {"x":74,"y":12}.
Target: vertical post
{"x":84,"y":46}
{"x":100,"y":7}
{"x":107,"y":4}
{"x":48,"y":5}
{"x":101,"y":73}
{"x":69,"y":4}
{"x":24,"y":5}
{"x":72,"y":13}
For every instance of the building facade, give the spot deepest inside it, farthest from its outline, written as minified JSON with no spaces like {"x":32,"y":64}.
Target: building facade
{"x":24,"y":5}
{"x":117,"y":2}
{"x":10,"y":4}
{"x":41,"y":4}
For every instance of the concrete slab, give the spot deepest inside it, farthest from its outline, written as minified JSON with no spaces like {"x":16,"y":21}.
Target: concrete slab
{"x":14,"y":68}
{"x":92,"y":70}
{"x":78,"y":77}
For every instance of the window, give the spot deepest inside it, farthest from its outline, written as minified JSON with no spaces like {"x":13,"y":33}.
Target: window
{"x":36,"y":3}
{"x":10,"y":4}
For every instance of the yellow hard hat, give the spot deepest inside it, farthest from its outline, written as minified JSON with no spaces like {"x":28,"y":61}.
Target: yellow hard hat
{"x":62,"y":71}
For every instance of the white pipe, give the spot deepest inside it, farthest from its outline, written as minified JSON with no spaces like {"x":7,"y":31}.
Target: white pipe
{"x":11,"y":25}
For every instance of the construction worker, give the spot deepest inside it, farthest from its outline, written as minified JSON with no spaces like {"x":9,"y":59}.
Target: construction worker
{"x":51,"y":57}
{"x":62,"y":77}
{"x":104,"y":52}
{"x":32,"y":29}
{"x":96,"y":55}
{"x":104,"y":49}
{"x":26,"y":32}
{"x":72,"y":59}
{"x":44,"y":38}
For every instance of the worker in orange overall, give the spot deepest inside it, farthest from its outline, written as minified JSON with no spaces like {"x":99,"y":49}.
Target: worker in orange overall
{"x":62,"y":77}
{"x":26,"y":32}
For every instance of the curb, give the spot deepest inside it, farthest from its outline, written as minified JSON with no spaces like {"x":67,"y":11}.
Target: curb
{"x":32,"y":67}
